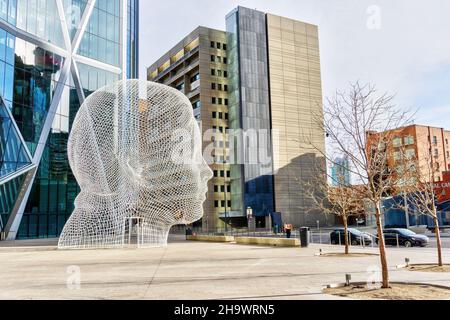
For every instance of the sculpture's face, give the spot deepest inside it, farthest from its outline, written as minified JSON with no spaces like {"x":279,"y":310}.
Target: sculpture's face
{"x":171,"y":168}
{"x":146,"y":151}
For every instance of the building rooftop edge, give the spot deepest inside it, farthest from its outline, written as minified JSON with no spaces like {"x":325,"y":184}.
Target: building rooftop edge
{"x":160,"y":60}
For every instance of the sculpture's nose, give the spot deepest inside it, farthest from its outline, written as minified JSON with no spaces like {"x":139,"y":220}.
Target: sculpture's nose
{"x":206,"y":172}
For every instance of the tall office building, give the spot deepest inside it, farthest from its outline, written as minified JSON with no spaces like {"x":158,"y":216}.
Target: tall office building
{"x":262,"y":76}
{"x":198,"y":67}
{"x":276,"y":86}
{"x":53,"y":54}
{"x":340,"y":172}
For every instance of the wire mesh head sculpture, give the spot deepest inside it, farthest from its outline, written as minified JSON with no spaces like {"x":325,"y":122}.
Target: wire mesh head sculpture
{"x":135,"y":150}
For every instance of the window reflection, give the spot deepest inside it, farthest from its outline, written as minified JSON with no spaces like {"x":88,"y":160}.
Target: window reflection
{"x":35,"y":77}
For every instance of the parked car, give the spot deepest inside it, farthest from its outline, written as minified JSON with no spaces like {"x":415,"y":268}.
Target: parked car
{"x":356,"y":237}
{"x":406,"y":238}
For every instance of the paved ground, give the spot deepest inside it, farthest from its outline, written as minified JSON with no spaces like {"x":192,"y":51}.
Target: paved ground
{"x":191,"y":270}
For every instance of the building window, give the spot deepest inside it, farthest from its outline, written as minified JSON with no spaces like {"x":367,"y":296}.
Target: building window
{"x":195,"y":77}
{"x":222,"y":189}
{"x":219,"y":73}
{"x":220,"y":115}
{"x":228,"y":174}
{"x":220,"y":101}
{"x":216,"y":188}
{"x":214,"y":115}
{"x":225,"y":60}
{"x":222,"y":203}
{"x":222,"y":174}
{"x":180,"y":87}
{"x":435,"y":141}
{"x":397,"y":142}
{"x":224,"y":46}
{"x":225,"y":88}
{"x":196,"y":104}
{"x":216,"y":204}
{"x":219,"y":87}
{"x":409,"y":140}
{"x":214,"y":128}
{"x":219,"y":59}
{"x":226,"y":102}
{"x":436,"y":153}
{"x":212,"y":44}
{"x":225,"y":74}
{"x":213,"y":100}
{"x":213,"y":58}
{"x":213,"y":86}
{"x":216,"y":174}
{"x":226,"y":116}
{"x":218,"y":45}
{"x":410,"y":154}
{"x":229,"y":190}
{"x":213,"y":72}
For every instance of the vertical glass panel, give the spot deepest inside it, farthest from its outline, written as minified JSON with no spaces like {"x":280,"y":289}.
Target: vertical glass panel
{"x":2,"y":45}
{"x":12,"y":10}
{"x":40,"y":18}
{"x":4,"y":9}
{"x":101,"y":41}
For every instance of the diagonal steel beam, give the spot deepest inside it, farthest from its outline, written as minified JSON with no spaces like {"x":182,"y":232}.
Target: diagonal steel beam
{"x":77,"y":81}
{"x":13,"y":224}
{"x":22,"y":140}
{"x":33,"y":39}
{"x":82,"y":26}
{"x":64,"y":28}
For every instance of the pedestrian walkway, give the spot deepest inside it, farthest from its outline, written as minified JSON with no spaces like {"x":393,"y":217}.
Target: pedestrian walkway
{"x":195,"y":270}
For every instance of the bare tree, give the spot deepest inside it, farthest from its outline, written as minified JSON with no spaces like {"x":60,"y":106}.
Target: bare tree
{"x":342,"y":200}
{"x":359,"y":124}
{"x":417,"y":179}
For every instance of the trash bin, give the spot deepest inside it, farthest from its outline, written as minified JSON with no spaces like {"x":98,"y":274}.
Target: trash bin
{"x":304,"y":237}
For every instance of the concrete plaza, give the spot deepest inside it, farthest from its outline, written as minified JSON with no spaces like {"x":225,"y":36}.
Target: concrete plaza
{"x":193,"y":270}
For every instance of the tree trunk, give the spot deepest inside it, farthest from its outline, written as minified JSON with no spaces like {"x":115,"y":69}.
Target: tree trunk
{"x":438,"y":239}
{"x":346,"y":234}
{"x":382,"y":248}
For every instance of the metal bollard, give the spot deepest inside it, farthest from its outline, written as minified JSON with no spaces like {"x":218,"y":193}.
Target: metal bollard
{"x":398,"y":242}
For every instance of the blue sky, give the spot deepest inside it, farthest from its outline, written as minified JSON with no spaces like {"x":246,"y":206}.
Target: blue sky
{"x":401,"y":46}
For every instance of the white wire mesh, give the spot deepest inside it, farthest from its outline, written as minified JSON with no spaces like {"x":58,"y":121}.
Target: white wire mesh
{"x":135,"y":150}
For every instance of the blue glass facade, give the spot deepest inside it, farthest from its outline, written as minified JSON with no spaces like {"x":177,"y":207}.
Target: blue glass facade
{"x":43,"y":95}
{"x":133,"y":39}
{"x":249,"y":110}
{"x":340,"y":172}
{"x":395,"y":217}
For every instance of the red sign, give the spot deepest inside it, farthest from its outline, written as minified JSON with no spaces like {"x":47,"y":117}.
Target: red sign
{"x":442,"y":188}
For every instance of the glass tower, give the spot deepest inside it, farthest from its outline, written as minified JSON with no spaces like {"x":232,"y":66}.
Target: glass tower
{"x":53,"y":54}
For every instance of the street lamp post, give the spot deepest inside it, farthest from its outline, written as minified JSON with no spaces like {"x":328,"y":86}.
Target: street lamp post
{"x":225,"y":183}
